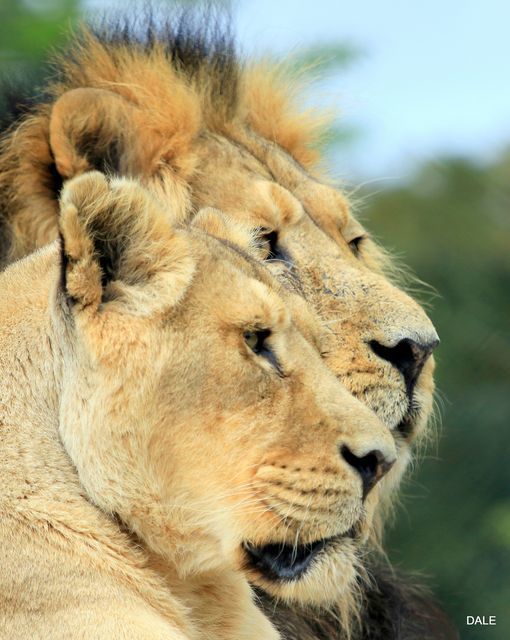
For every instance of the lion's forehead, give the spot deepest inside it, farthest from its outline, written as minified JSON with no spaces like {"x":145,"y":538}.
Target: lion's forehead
{"x":247,"y":188}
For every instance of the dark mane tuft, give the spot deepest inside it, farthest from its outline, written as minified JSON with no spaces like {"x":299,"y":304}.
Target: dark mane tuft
{"x":198,"y":42}
{"x":393,"y":609}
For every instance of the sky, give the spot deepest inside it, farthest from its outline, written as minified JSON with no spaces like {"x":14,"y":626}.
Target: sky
{"x":432,"y":78}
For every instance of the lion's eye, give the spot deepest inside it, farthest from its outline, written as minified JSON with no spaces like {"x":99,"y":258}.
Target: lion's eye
{"x":256,"y":340}
{"x":355,"y":244}
{"x":269,"y":239}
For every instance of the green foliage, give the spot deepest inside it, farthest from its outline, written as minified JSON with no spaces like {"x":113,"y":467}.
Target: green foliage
{"x":451,"y":224}
{"x":29,"y":28}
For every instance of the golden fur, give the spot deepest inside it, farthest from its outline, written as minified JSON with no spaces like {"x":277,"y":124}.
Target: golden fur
{"x":126,"y":108}
{"x":143,"y":442}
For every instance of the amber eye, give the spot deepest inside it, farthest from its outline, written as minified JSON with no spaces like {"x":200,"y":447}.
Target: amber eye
{"x":256,"y":340}
{"x":355,"y":244}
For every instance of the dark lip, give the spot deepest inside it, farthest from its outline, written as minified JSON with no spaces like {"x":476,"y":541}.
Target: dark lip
{"x":407,"y":425}
{"x":286,"y":562}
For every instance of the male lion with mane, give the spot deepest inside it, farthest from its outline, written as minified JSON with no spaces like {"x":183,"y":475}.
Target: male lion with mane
{"x":174,"y":107}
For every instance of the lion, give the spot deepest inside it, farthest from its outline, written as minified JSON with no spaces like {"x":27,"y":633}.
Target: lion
{"x":176,"y":109}
{"x":164,"y":409}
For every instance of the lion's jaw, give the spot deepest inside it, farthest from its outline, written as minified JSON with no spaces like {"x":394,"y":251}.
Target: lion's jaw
{"x":294,"y":511}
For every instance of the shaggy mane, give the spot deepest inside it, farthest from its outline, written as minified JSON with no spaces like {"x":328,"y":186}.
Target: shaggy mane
{"x":184,"y":71}
{"x":200,"y":47}
{"x":198,"y":44}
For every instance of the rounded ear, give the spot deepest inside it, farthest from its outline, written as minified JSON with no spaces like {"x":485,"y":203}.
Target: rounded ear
{"x":118,"y":248}
{"x":87,"y":131}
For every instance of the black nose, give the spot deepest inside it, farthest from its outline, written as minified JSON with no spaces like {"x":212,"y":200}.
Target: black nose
{"x":371,"y":467}
{"x":408,"y":356}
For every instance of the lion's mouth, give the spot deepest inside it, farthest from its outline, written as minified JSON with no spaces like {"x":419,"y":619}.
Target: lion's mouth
{"x":277,"y":561}
{"x":407,"y":425}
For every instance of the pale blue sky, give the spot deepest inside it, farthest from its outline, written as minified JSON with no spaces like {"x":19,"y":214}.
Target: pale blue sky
{"x":433,"y":79}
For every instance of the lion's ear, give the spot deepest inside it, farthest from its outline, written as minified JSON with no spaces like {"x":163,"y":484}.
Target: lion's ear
{"x":118,"y":248}
{"x":88,"y":129}
{"x":107,"y":131}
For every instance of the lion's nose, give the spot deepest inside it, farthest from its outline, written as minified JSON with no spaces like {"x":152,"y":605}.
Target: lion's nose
{"x":370,"y":467}
{"x":407,"y":355}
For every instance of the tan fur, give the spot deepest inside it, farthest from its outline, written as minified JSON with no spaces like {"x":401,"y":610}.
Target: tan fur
{"x":252,"y":161}
{"x":143,"y":442}
{"x":269,"y":98}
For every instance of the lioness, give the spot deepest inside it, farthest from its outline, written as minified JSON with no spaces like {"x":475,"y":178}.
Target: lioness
{"x":164,"y":412}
